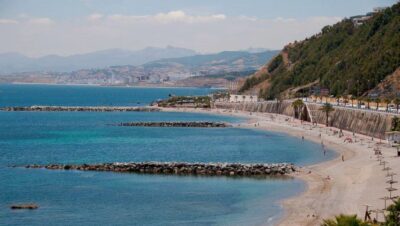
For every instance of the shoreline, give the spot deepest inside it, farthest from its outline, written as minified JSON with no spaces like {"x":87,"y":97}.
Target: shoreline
{"x":334,"y":186}
{"x":117,"y":86}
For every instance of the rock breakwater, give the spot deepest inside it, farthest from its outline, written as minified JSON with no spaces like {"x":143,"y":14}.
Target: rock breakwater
{"x":175,"y":124}
{"x":24,"y":206}
{"x":182,"y":168}
{"x":80,"y":108}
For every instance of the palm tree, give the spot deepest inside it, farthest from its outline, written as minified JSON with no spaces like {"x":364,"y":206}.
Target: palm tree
{"x":352,"y":98}
{"x":397,"y":103}
{"x":338,"y":99}
{"x":298,"y":107}
{"x":387,"y":101}
{"x":393,"y":217}
{"x":359,"y":101}
{"x":346,"y":100}
{"x":327,"y":108}
{"x":368,"y":100}
{"x":344,"y":220}
{"x":320,"y":97}
{"x":377,"y":101}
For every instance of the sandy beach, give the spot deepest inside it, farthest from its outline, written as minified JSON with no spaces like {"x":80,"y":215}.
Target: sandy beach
{"x":345,"y":184}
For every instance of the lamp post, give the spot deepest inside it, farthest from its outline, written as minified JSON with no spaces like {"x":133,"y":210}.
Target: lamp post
{"x":358,"y":93}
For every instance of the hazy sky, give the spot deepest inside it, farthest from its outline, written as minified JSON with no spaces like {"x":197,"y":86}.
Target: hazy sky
{"x":64,"y":27}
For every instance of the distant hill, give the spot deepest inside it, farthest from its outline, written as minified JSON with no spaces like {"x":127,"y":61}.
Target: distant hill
{"x":214,"y":80}
{"x":207,"y":64}
{"x":208,"y":70}
{"x":17,"y":63}
{"x":356,"y":56}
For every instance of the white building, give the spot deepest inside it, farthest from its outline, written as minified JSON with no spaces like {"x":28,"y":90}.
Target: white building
{"x":360,"y":20}
{"x":242,"y":98}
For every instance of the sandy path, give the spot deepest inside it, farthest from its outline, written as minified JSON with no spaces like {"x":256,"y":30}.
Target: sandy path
{"x":352,"y":183}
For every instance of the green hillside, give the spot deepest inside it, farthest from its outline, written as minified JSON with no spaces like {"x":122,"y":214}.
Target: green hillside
{"x":345,"y":58}
{"x":219,"y":62}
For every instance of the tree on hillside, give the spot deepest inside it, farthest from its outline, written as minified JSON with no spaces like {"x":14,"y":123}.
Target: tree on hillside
{"x":397,"y":103}
{"x":327,"y":109}
{"x":298,"y":108}
{"x":344,"y":220}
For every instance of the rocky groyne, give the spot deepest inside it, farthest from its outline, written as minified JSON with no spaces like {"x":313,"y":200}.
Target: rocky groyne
{"x":175,"y":124}
{"x":182,"y":168}
{"x":80,"y":108}
{"x":24,"y":206}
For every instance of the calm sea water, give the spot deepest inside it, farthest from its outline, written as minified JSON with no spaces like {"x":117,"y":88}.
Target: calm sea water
{"x":96,"y":198}
{"x":26,"y":95}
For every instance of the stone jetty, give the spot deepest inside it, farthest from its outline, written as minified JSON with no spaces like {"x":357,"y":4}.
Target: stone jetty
{"x":80,"y":108}
{"x":182,"y":168}
{"x":24,"y":206}
{"x":176,"y":124}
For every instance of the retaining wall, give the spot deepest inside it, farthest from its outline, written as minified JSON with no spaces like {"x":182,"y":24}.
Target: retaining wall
{"x":365,"y":122}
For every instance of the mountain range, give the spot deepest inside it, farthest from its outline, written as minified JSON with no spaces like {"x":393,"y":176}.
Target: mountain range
{"x":17,"y":63}
{"x":208,"y":64}
{"x":209,"y":70}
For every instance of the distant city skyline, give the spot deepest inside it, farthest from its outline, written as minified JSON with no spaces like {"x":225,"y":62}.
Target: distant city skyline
{"x":62,"y":27}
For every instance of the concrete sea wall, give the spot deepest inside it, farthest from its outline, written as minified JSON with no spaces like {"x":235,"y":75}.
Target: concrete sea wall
{"x":365,"y":122}
{"x":369,"y":123}
{"x":282,"y":107}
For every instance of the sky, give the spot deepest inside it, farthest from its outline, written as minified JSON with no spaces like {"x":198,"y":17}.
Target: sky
{"x":65,"y":27}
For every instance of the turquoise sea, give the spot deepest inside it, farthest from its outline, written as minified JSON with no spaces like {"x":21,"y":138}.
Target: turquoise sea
{"x":104,"y":198}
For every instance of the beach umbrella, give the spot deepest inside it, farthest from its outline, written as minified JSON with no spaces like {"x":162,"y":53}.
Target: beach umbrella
{"x":390,"y":190}
{"x":385,"y":200}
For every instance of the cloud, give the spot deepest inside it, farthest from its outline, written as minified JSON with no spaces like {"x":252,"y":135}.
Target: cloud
{"x":169,"y":17}
{"x":247,"y":18}
{"x":41,"y":21}
{"x":118,"y":18}
{"x":204,"y":33}
{"x":95,"y":17}
{"x":8,"y":21}
{"x":325,"y":19}
{"x":180,"y":16}
{"x":281,"y":19}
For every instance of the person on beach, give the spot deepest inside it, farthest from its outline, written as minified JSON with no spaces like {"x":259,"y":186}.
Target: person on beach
{"x":302,"y":138}
{"x":342,"y":158}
